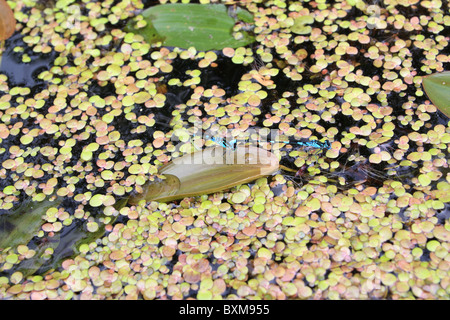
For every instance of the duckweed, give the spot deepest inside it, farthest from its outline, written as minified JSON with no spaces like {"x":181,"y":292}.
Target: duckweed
{"x":366,"y":219}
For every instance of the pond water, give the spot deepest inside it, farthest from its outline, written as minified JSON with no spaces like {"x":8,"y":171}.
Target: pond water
{"x":89,"y":114}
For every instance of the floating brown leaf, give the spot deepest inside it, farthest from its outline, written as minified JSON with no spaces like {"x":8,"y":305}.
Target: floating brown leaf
{"x":7,"y":21}
{"x":208,"y":171}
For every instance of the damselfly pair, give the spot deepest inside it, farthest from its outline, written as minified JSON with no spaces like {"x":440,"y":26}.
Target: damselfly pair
{"x":232,"y":144}
{"x":315,"y":145}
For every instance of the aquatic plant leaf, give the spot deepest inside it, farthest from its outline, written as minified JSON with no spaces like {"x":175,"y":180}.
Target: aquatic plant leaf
{"x":207,"y":171}
{"x":7,"y":21}
{"x":205,"y":27}
{"x":244,"y":15}
{"x":64,"y":244}
{"x":22,"y":224}
{"x":437,"y":88}
{"x":68,"y":244}
{"x":30,"y":266}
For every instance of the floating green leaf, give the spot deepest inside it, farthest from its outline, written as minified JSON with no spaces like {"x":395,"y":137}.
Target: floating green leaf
{"x":437,"y":87}
{"x":205,"y":27}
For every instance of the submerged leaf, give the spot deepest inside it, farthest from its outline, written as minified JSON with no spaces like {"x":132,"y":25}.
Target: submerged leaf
{"x":208,"y":171}
{"x":437,"y":87}
{"x":7,"y":21}
{"x":22,"y":224}
{"x":64,"y":245}
{"x":205,"y":27}
{"x":31,"y":265}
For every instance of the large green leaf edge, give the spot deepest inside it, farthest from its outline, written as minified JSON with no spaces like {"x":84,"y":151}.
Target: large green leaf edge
{"x":203,"y":26}
{"x":437,"y":88}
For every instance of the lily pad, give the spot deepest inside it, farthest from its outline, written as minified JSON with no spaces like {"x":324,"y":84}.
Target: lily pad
{"x":437,"y":87}
{"x":205,"y":27}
